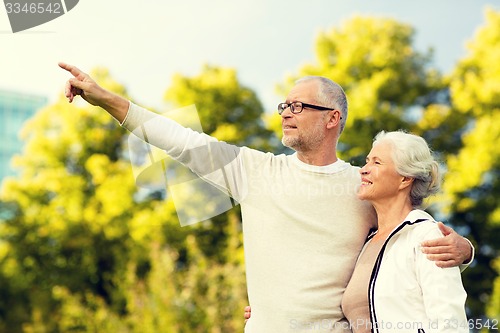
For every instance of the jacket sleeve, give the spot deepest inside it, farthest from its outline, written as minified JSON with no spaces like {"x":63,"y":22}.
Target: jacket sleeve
{"x":443,"y":293}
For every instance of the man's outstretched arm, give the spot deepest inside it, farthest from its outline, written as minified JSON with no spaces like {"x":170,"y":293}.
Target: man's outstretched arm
{"x":82,"y":84}
{"x":450,"y":250}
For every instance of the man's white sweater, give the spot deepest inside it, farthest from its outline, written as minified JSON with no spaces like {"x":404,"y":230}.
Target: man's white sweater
{"x":303,"y":225}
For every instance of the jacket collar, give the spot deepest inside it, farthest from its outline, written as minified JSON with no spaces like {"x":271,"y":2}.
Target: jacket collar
{"x":413,"y":217}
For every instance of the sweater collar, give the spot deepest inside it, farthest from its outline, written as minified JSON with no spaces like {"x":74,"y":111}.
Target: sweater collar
{"x":335,"y":167}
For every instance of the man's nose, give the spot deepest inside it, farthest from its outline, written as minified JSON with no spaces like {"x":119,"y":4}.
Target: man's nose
{"x":287,"y":113}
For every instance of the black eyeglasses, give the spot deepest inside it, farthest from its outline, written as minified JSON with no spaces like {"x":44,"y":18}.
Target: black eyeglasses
{"x":297,"y":107}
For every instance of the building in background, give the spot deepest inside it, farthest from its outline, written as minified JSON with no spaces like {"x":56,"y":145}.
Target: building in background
{"x":15,"y":109}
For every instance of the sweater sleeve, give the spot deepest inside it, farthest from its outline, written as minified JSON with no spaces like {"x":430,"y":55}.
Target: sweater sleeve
{"x":443,"y":293}
{"x":217,"y":162}
{"x":464,"y":266}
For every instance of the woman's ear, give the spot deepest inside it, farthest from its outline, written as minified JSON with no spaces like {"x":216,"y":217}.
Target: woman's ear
{"x":405,"y":182}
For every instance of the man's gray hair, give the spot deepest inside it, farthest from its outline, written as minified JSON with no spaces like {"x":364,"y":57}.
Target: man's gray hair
{"x":330,"y":94}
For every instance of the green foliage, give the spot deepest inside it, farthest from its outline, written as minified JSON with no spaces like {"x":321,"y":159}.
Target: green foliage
{"x":472,"y":185}
{"x":493,"y":308}
{"x":227,"y":110}
{"x":73,"y":198}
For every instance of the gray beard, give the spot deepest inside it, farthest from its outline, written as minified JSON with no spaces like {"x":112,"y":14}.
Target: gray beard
{"x":303,"y":143}
{"x":293,"y":143}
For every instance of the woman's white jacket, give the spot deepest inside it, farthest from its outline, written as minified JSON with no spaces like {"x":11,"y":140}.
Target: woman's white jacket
{"x":408,"y":292}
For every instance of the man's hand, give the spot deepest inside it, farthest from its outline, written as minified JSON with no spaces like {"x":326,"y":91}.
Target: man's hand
{"x":248,"y":313}
{"x":82,"y":84}
{"x":448,"y":251}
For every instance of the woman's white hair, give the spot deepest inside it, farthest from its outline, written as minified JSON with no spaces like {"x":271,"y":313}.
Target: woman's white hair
{"x":413,"y":158}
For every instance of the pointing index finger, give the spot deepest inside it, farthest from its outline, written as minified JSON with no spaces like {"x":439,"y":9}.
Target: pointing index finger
{"x":72,"y":69}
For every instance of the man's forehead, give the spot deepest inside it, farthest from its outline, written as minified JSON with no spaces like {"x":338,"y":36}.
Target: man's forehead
{"x":303,"y":90}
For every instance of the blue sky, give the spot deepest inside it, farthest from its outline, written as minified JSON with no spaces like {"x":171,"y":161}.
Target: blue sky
{"x":143,"y":43}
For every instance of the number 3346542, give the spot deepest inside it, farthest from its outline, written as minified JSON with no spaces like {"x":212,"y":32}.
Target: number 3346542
{"x":33,"y":8}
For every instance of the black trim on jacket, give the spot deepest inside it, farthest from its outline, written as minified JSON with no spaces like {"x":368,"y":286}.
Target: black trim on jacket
{"x":376,"y":268}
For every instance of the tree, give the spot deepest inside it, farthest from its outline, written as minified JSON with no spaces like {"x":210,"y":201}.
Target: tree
{"x":71,"y":203}
{"x":227,"y":110}
{"x":472,"y":185}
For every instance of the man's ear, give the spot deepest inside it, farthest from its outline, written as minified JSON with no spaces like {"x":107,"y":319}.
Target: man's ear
{"x":333,"y":119}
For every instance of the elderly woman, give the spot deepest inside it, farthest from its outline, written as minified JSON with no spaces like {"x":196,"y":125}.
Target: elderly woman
{"x":394,"y":288}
